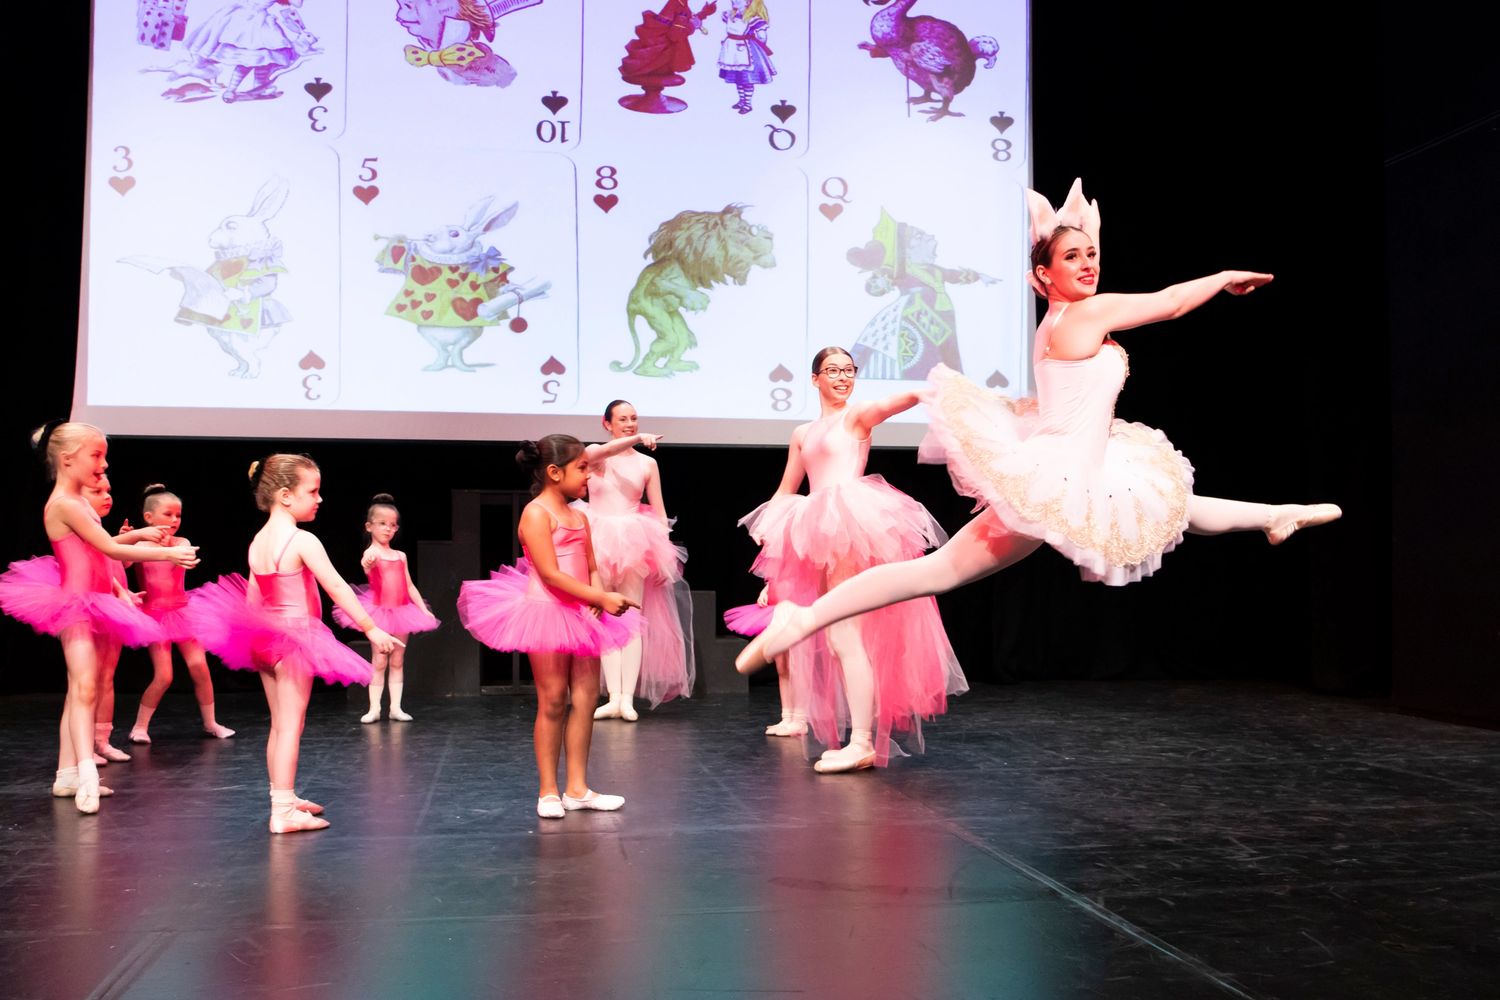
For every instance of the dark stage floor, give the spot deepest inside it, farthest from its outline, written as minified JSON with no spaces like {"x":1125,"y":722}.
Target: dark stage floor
{"x":1079,"y":840}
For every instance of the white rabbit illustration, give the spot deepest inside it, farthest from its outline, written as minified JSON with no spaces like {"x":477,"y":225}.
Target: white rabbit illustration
{"x":231,"y":298}
{"x":455,"y":284}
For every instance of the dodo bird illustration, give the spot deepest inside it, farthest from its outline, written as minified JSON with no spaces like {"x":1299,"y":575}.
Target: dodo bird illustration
{"x":930,"y":52}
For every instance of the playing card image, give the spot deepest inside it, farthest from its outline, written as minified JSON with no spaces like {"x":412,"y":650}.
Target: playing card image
{"x":935,"y":56}
{"x":903,"y":279}
{"x":691,"y":77}
{"x":223,"y":70}
{"x":459,"y":276}
{"x":222,"y":270}
{"x":706,"y":272}
{"x":468,"y":72}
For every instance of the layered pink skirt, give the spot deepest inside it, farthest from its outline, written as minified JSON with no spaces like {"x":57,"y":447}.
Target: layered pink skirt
{"x":402,"y":620}
{"x":810,"y":543}
{"x":31,"y":591}
{"x":248,"y":637}
{"x":507,"y":612}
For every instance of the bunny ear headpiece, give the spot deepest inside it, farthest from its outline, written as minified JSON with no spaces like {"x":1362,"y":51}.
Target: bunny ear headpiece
{"x":1076,"y":211}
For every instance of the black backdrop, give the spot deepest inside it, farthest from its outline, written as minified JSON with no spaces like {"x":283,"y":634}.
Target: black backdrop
{"x":1214,"y":136}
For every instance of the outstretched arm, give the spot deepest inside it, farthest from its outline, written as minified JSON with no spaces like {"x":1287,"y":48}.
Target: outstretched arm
{"x":867,"y":415}
{"x":75,"y":516}
{"x":1090,"y":321}
{"x":615,"y":446}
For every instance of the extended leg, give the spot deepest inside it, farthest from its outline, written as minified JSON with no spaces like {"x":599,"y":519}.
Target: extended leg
{"x":1212,"y":516}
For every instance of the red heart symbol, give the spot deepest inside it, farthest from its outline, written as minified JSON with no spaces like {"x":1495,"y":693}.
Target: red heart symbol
{"x":408,"y":292}
{"x":552,"y":366}
{"x":473,"y":286}
{"x":425,"y":275}
{"x":781,"y":374}
{"x":554,"y":102}
{"x":464,"y":276}
{"x":454,"y":282}
{"x":428,"y":296}
{"x":997,"y":380}
{"x":606,"y":201}
{"x":247,"y":323}
{"x":122,"y":184}
{"x":427,"y":314}
{"x":831,"y":210}
{"x":310,"y":360}
{"x":466,"y":308}
{"x":401,"y":307}
{"x":397,"y":252}
{"x":868,"y":257}
{"x":452,"y":268}
{"x":365,"y":193}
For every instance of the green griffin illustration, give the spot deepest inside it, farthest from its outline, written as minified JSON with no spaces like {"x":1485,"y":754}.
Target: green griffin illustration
{"x":689,"y":253}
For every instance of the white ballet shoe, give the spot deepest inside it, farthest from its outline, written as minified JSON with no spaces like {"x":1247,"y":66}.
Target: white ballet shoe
{"x":373,"y":715}
{"x":139,"y":735}
{"x":111,"y":753}
{"x":609,"y":710}
{"x":849,"y":758}
{"x":61,"y":791}
{"x":99,"y":759}
{"x":218,"y":732}
{"x":399,"y":715}
{"x":87,"y":798}
{"x":550,"y":807}
{"x":296,"y":821}
{"x":311,"y":808}
{"x":789,"y":624}
{"x":593,"y":800}
{"x":1298,"y":516}
{"x":787,"y":727}
{"x":628,"y":712}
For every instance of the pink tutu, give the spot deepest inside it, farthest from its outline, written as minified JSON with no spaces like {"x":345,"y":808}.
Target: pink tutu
{"x":634,"y":543}
{"x":31,"y":591}
{"x":177,"y":624}
{"x":248,"y":637}
{"x":749,"y":619}
{"x":837,"y":531}
{"x":1110,"y":495}
{"x":514,"y":610}
{"x":668,"y":667}
{"x":409,"y":617}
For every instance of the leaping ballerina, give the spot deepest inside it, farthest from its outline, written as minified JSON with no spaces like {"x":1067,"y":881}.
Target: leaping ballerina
{"x":1112,"y":496}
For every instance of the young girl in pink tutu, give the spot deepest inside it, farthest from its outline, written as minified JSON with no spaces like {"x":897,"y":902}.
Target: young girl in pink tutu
{"x":72,"y":596}
{"x":885,"y":672}
{"x":101,"y":499}
{"x":166,"y":601}
{"x":274,"y":623}
{"x":636,"y":557}
{"x":1112,"y":496}
{"x":751,"y":620}
{"x":552,"y":607}
{"x":391,"y":598}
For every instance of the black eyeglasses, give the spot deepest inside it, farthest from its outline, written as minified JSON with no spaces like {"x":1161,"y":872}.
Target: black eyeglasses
{"x":848,"y":371}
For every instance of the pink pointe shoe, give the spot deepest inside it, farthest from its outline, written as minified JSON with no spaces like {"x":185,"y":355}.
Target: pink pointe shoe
{"x":1297,"y":516}
{"x":61,"y":791}
{"x":789,"y":623}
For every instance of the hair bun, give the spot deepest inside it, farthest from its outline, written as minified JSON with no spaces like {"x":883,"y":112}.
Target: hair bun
{"x":153,"y":489}
{"x":255,"y":470}
{"x":528,"y":455}
{"x":383,"y":498}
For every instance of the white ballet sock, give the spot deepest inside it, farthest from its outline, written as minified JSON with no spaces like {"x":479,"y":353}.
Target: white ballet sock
{"x":397,"y":712}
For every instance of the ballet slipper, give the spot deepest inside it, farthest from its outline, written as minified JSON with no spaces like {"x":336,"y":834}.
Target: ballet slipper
{"x":789,"y":624}
{"x":138,"y":735}
{"x":87,"y":797}
{"x":311,"y":808}
{"x":787,"y":727}
{"x":594,"y":801}
{"x":609,"y":710}
{"x":399,"y":715}
{"x":373,"y":715}
{"x":62,"y":791}
{"x":1298,"y":516}
{"x":217,"y":731}
{"x":550,"y":807}
{"x":628,"y":712}
{"x":853,"y":757}
{"x":100,"y":760}
{"x":296,"y":821}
